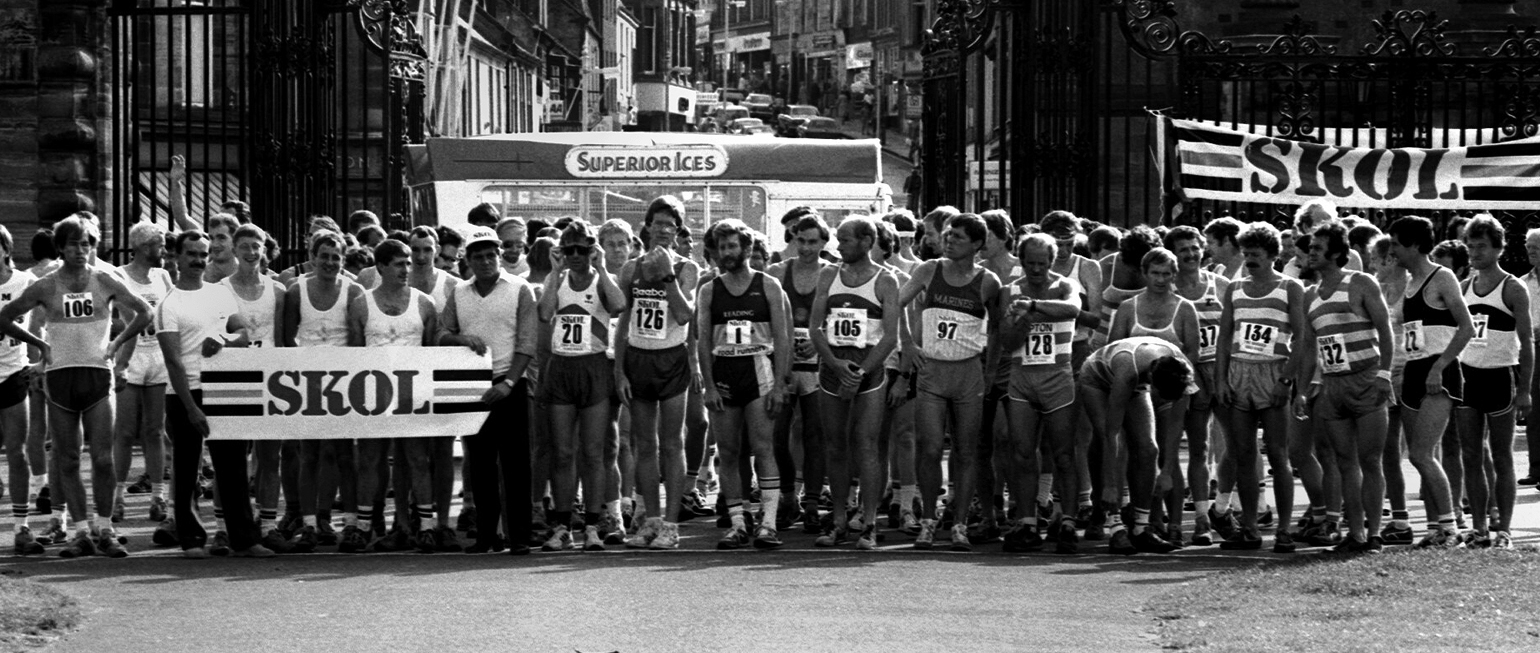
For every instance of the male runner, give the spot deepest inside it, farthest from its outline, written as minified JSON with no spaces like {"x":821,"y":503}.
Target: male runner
{"x":653,"y":363}
{"x":1350,"y":330}
{"x":1262,"y":325}
{"x":1085,"y":276}
{"x":857,"y":314}
{"x":998,"y":257}
{"x":741,"y":324}
{"x":17,"y":373}
{"x":1224,"y":247}
{"x":141,"y":373}
{"x":221,"y":235}
{"x":1499,"y":307}
{"x":78,"y":299}
{"x":1203,"y":289}
{"x":799,"y":271}
{"x":960,"y":315}
{"x":437,"y":285}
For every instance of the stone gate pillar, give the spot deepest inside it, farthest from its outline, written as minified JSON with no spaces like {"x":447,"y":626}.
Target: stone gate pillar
{"x":73,"y":110}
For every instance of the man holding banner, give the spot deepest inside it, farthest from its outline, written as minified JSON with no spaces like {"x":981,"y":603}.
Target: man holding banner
{"x":495,"y":312}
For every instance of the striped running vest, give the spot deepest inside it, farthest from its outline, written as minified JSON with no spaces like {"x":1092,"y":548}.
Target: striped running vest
{"x":1112,"y":298}
{"x":801,"y":310}
{"x":581,"y":325}
{"x":1428,"y":330}
{"x":1345,"y":342}
{"x":1209,"y":311}
{"x":953,"y":318}
{"x":1495,"y":341}
{"x":1261,"y":324}
{"x":854,"y":317}
{"x":740,"y":324}
{"x":1048,"y":344}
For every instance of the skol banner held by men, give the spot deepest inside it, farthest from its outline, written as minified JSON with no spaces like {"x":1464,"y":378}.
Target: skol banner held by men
{"x":344,"y":392}
{"x":1221,"y":164}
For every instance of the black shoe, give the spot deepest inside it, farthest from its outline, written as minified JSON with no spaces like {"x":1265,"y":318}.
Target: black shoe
{"x":1121,"y":544}
{"x":1242,"y":541}
{"x":1529,"y":480}
{"x":1151,"y":542}
{"x":1065,"y":540}
{"x":44,"y":502}
{"x":812,"y":522}
{"x":518,"y":550}
{"x":483,"y":546}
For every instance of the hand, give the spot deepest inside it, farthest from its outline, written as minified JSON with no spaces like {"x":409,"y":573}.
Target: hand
{"x":850,"y":373}
{"x":596,"y":258}
{"x":1522,"y":401}
{"x":212,"y":346}
{"x":112,"y":351}
{"x":775,"y":400}
{"x":35,"y":377}
{"x":178,"y":169}
{"x":45,"y":358}
{"x":1387,"y":390}
{"x":1435,"y":381}
{"x":476,"y":344}
{"x":623,"y":389}
{"x":805,"y":349}
{"x":697,"y":382}
{"x":713,"y":399}
{"x":898,"y":391}
{"x":916,"y":359}
{"x":496,"y":393}
{"x":119,"y":378}
{"x":199,"y":421}
{"x":1302,"y":407}
{"x":1222,"y":393}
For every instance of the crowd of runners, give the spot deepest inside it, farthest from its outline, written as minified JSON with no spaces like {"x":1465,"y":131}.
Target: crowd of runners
{"x":955,"y":379}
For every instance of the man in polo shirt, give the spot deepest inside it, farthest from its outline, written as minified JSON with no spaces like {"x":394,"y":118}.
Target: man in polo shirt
{"x":495,"y":311}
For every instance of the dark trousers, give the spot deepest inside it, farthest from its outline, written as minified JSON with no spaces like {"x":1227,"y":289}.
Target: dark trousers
{"x":500,"y":469}
{"x":229,"y":458}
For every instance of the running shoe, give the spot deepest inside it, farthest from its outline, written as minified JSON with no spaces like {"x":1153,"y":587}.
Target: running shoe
{"x":398,"y":539}
{"x":1225,"y":524}
{"x":353,"y":539}
{"x":493,"y":546}
{"x":611,"y":530}
{"x":324,"y":535}
{"x":141,"y":486}
{"x":1174,"y":536}
{"x":643,"y":536}
{"x":305,"y":541}
{"x":832,"y":537}
{"x":926,"y":538}
{"x":1045,"y":513}
{"x":158,"y":509}
{"x":1095,"y":532}
{"x":1266,"y":518}
{"x":811,"y":521}
{"x":735,"y":538}
{"x":1393,"y":535}
{"x":1083,"y":517}
{"x":254,"y":551}
{"x":1021,"y":539}
{"x":960,"y":540}
{"x":221,"y":544}
{"x":25,"y":543}
{"x":666,"y":539}
{"x":1324,"y":534}
{"x":427,"y":540}
{"x":985,"y":532}
{"x":1475,"y":540}
{"x":165,"y":533}
{"x":1201,"y":531}
{"x":1120,"y":543}
{"x":857,"y":520}
{"x":55,"y":533}
{"x":275,"y":541}
{"x":80,"y":547}
{"x":1066,"y":540}
{"x":291,"y":523}
{"x":1244,"y":540}
{"x":868,"y":539}
{"x":785,"y":513}
{"x":1501,"y":540}
{"x":537,"y":522}
{"x":448,"y":540}
{"x":908,"y":523}
{"x":466,"y":522}
{"x":1530,"y":480}
{"x":1438,"y":538}
{"x":692,"y":505}
{"x":1348,"y":546}
{"x":1151,"y":542}
{"x":1283,"y":542}
{"x":560,"y":539}
{"x":592,"y":540}
{"x":44,"y":504}
{"x":196,"y":553}
{"x":1374,"y":545}
{"x":765,"y":538}
{"x":117,"y":510}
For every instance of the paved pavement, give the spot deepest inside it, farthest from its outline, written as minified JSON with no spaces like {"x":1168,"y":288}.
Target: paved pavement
{"x":797,"y":597}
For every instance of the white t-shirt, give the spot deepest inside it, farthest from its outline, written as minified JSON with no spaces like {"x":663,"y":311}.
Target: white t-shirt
{"x":196,"y":315}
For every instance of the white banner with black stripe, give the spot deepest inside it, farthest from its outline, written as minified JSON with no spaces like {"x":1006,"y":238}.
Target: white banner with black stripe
{"x":305,"y":393}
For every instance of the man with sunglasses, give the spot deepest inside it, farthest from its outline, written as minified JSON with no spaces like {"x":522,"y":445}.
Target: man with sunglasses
{"x":578,"y":381}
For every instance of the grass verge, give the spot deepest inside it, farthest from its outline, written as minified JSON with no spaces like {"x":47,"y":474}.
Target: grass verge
{"x":32,"y":615}
{"x":1397,"y":601}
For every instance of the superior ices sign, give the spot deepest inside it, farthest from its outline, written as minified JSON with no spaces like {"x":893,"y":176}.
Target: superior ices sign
{"x":609,"y":162}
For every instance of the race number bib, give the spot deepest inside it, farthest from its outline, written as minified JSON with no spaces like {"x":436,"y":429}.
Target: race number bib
{"x":946,"y":330}
{"x":847,"y":327}
{"x":1208,"y":341}
{"x":740,"y":332}
{"x":650,"y":319}
{"x":1412,"y":331}
{"x":1038,"y":349}
{"x":1332,"y":354}
{"x":571,"y":335}
{"x":147,"y":336}
{"x":1478,"y":322}
{"x":78,"y":306}
{"x":1257,"y":338}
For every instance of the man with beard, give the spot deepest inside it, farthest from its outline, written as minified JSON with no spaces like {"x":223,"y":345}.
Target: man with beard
{"x":857,"y":311}
{"x":799,"y":273}
{"x":141,"y":374}
{"x":653,"y":363}
{"x":741,"y":322}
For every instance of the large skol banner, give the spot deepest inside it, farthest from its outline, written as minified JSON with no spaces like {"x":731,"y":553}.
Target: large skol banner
{"x":344,"y":392}
{"x":1221,"y":164}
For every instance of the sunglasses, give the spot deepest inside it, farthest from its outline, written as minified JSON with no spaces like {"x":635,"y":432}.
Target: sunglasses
{"x":577,"y":250}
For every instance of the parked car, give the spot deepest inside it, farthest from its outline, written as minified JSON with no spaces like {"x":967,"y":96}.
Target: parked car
{"x":727,"y":113}
{"x":731,"y":95}
{"x":787,"y":122}
{"x":820,"y":127}
{"x":750,"y":127}
{"x":759,"y":106}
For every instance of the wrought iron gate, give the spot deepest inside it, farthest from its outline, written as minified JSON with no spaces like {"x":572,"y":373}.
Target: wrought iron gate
{"x":297,"y":107}
{"x":1061,"y":121}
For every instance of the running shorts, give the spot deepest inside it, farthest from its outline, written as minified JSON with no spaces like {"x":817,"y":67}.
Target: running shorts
{"x":1496,"y":385}
{"x":13,"y":390}
{"x":953,"y":380}
{"x":1045,"y":389}
{"x":657,"y":374}
{"x":1252,"y":384}
{"x":1350,"y":396}
{"x":1415,"y":384}
{"x":582,"y":381}
{"x":78,"y":389}
{"x":742,"y":379}
{"x":829,"y":380}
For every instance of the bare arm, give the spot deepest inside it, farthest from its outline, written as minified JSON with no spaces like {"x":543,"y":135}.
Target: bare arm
{"x":288,"y":324}
{"x":358,"y":316}
{"x":528,"y":332}
{"x":178,"y":194}
{"x":1447,"y":289}
{"x":918,"y":282}
{"x":1091,"y":281}
{"x":1517,"y":297}
{"x":705,"y":341}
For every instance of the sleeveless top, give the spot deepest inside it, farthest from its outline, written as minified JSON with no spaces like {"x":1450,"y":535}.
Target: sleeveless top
{"x":1428,"y":330}
{"x":1167,"y":333}
{"x":1261,"y":324}
{"x":1345,"y":342}
{"x":1081,"y":332}
{"x":261,"y":312}
{"x":581,"y":325}
{"x":1209,"y":312}
{"x":147,"y":347}
{"x":740,"y":324}
{"x":892,"y":360}
{"x":953,"y":318}
{"x":13,"y":353}
{"x":1394,"y":297}
{"x":652,"y":324}
{"x":79,"y":329}
{"x":1112,"y":298}
{"x":801,"y":310}
{"x":1495,"y":342}
{"x":854,"y":318}
{"x":404,"y":330}
{"x":1048,"y":344}
{"x":322,"y":328}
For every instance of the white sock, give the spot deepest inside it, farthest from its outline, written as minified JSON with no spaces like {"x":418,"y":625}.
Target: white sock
{"x":159,"y":491}
{"x":219,"y":524}
{"x":350,"y":519}
{"x":1221,"y":503}
{"x":310,"y":520}
{"x":771,"y":500}
{"x":613,"y":507}
{"x":906,"y":497}
{"x":119,"y":491}
{"x":1201,"y":507}
{"x":1045,"y":489}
